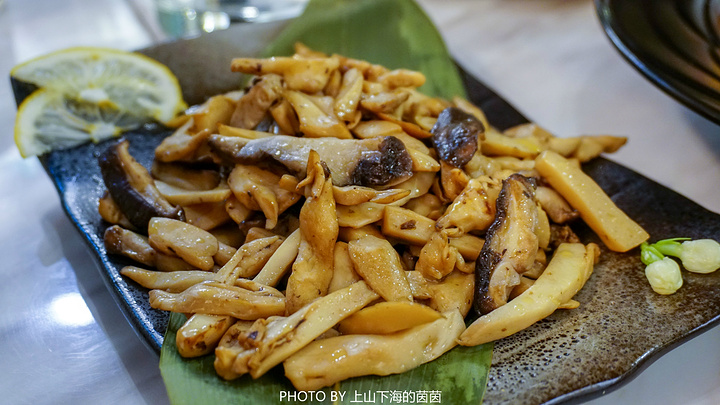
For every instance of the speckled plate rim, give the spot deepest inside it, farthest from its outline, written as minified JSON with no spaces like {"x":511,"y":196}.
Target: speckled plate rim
{"x":143,"y":319}
{"x":126,"y":294}
{"x":605,"y":387}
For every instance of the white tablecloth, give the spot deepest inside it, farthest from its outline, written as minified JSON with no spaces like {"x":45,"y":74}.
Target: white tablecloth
{"x":64,"y":340}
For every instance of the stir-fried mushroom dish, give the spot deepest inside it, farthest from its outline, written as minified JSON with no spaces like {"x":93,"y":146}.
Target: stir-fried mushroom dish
{"x":331,"y":207}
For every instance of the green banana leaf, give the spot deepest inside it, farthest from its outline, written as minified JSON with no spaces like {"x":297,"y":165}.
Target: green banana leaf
{"x":393,"y":33}
{"x":396,"y":34}
{"x":457,"y":377}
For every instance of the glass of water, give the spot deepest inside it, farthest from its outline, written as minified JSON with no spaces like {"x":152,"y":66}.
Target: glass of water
{"x":182,"y":18}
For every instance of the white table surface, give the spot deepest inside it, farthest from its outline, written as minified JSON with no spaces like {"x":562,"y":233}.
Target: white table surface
{"x":63,"y":338}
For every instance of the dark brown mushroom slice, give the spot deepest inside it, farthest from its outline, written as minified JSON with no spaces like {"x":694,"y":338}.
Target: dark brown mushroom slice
{"x":380,"y":161}
{"x":455,"y":136}
{"x":510,"y":244}
{"x":381,"y":167}
{"x":132,"y":188}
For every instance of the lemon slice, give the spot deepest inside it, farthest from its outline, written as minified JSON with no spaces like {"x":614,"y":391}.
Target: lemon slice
{"x":91,"y":94}
{"x":47,"y":120}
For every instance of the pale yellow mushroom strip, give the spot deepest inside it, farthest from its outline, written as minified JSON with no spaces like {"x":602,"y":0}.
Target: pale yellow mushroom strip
{"x":172,"y":281}
{"x":245,"y":256}
{"x":286,"y":335}
{"x":214,"y":298}
{"x":313,"y":267}
{"x":200,"y":334}
{"x":411,"y":227}
{"x":280,"y":261}
{"x":616,"y":229}
{"x":327,"y":361}
{"x":567,"y":272}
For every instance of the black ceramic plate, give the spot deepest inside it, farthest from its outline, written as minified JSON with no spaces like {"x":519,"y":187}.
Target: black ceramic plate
{"x":674,"y":43}
{"x":620,"y":327}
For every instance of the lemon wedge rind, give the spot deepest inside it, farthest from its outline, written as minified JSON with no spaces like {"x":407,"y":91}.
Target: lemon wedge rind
{"x":91,"y":94}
